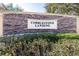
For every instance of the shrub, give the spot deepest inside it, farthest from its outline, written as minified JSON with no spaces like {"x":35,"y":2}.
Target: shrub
{"x":42,"y":44}
{"x":41,"y":47}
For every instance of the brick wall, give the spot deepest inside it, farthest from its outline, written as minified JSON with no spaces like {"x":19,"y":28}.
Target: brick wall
{"x":17,"y":23}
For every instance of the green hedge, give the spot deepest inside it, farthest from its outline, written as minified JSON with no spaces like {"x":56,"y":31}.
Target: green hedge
{"x":68,"y":36}
{"x":52,"y":36}
{"x":47,"y":36}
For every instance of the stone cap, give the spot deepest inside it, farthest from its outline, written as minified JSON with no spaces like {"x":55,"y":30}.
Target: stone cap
{"x":64,"y":15}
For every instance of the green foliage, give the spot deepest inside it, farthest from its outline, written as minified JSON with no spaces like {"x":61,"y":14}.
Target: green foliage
{"x":63,"y":8}
{"x":42,"y":44}
{"x":52,"y":36}
{"x":47,"y":36}
{"x":42,"y":47}
{"x":68,"y":36}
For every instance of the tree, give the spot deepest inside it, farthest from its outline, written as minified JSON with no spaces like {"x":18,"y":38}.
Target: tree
{"x":63,"y":8}
{"x":9,"y":8}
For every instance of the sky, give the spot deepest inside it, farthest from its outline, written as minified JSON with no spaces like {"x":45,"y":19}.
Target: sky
{"x":32,"y":7}
{"x":40,"y":1}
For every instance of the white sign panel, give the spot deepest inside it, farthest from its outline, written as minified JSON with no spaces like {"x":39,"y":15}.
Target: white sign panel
{"x":42,"y":24}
